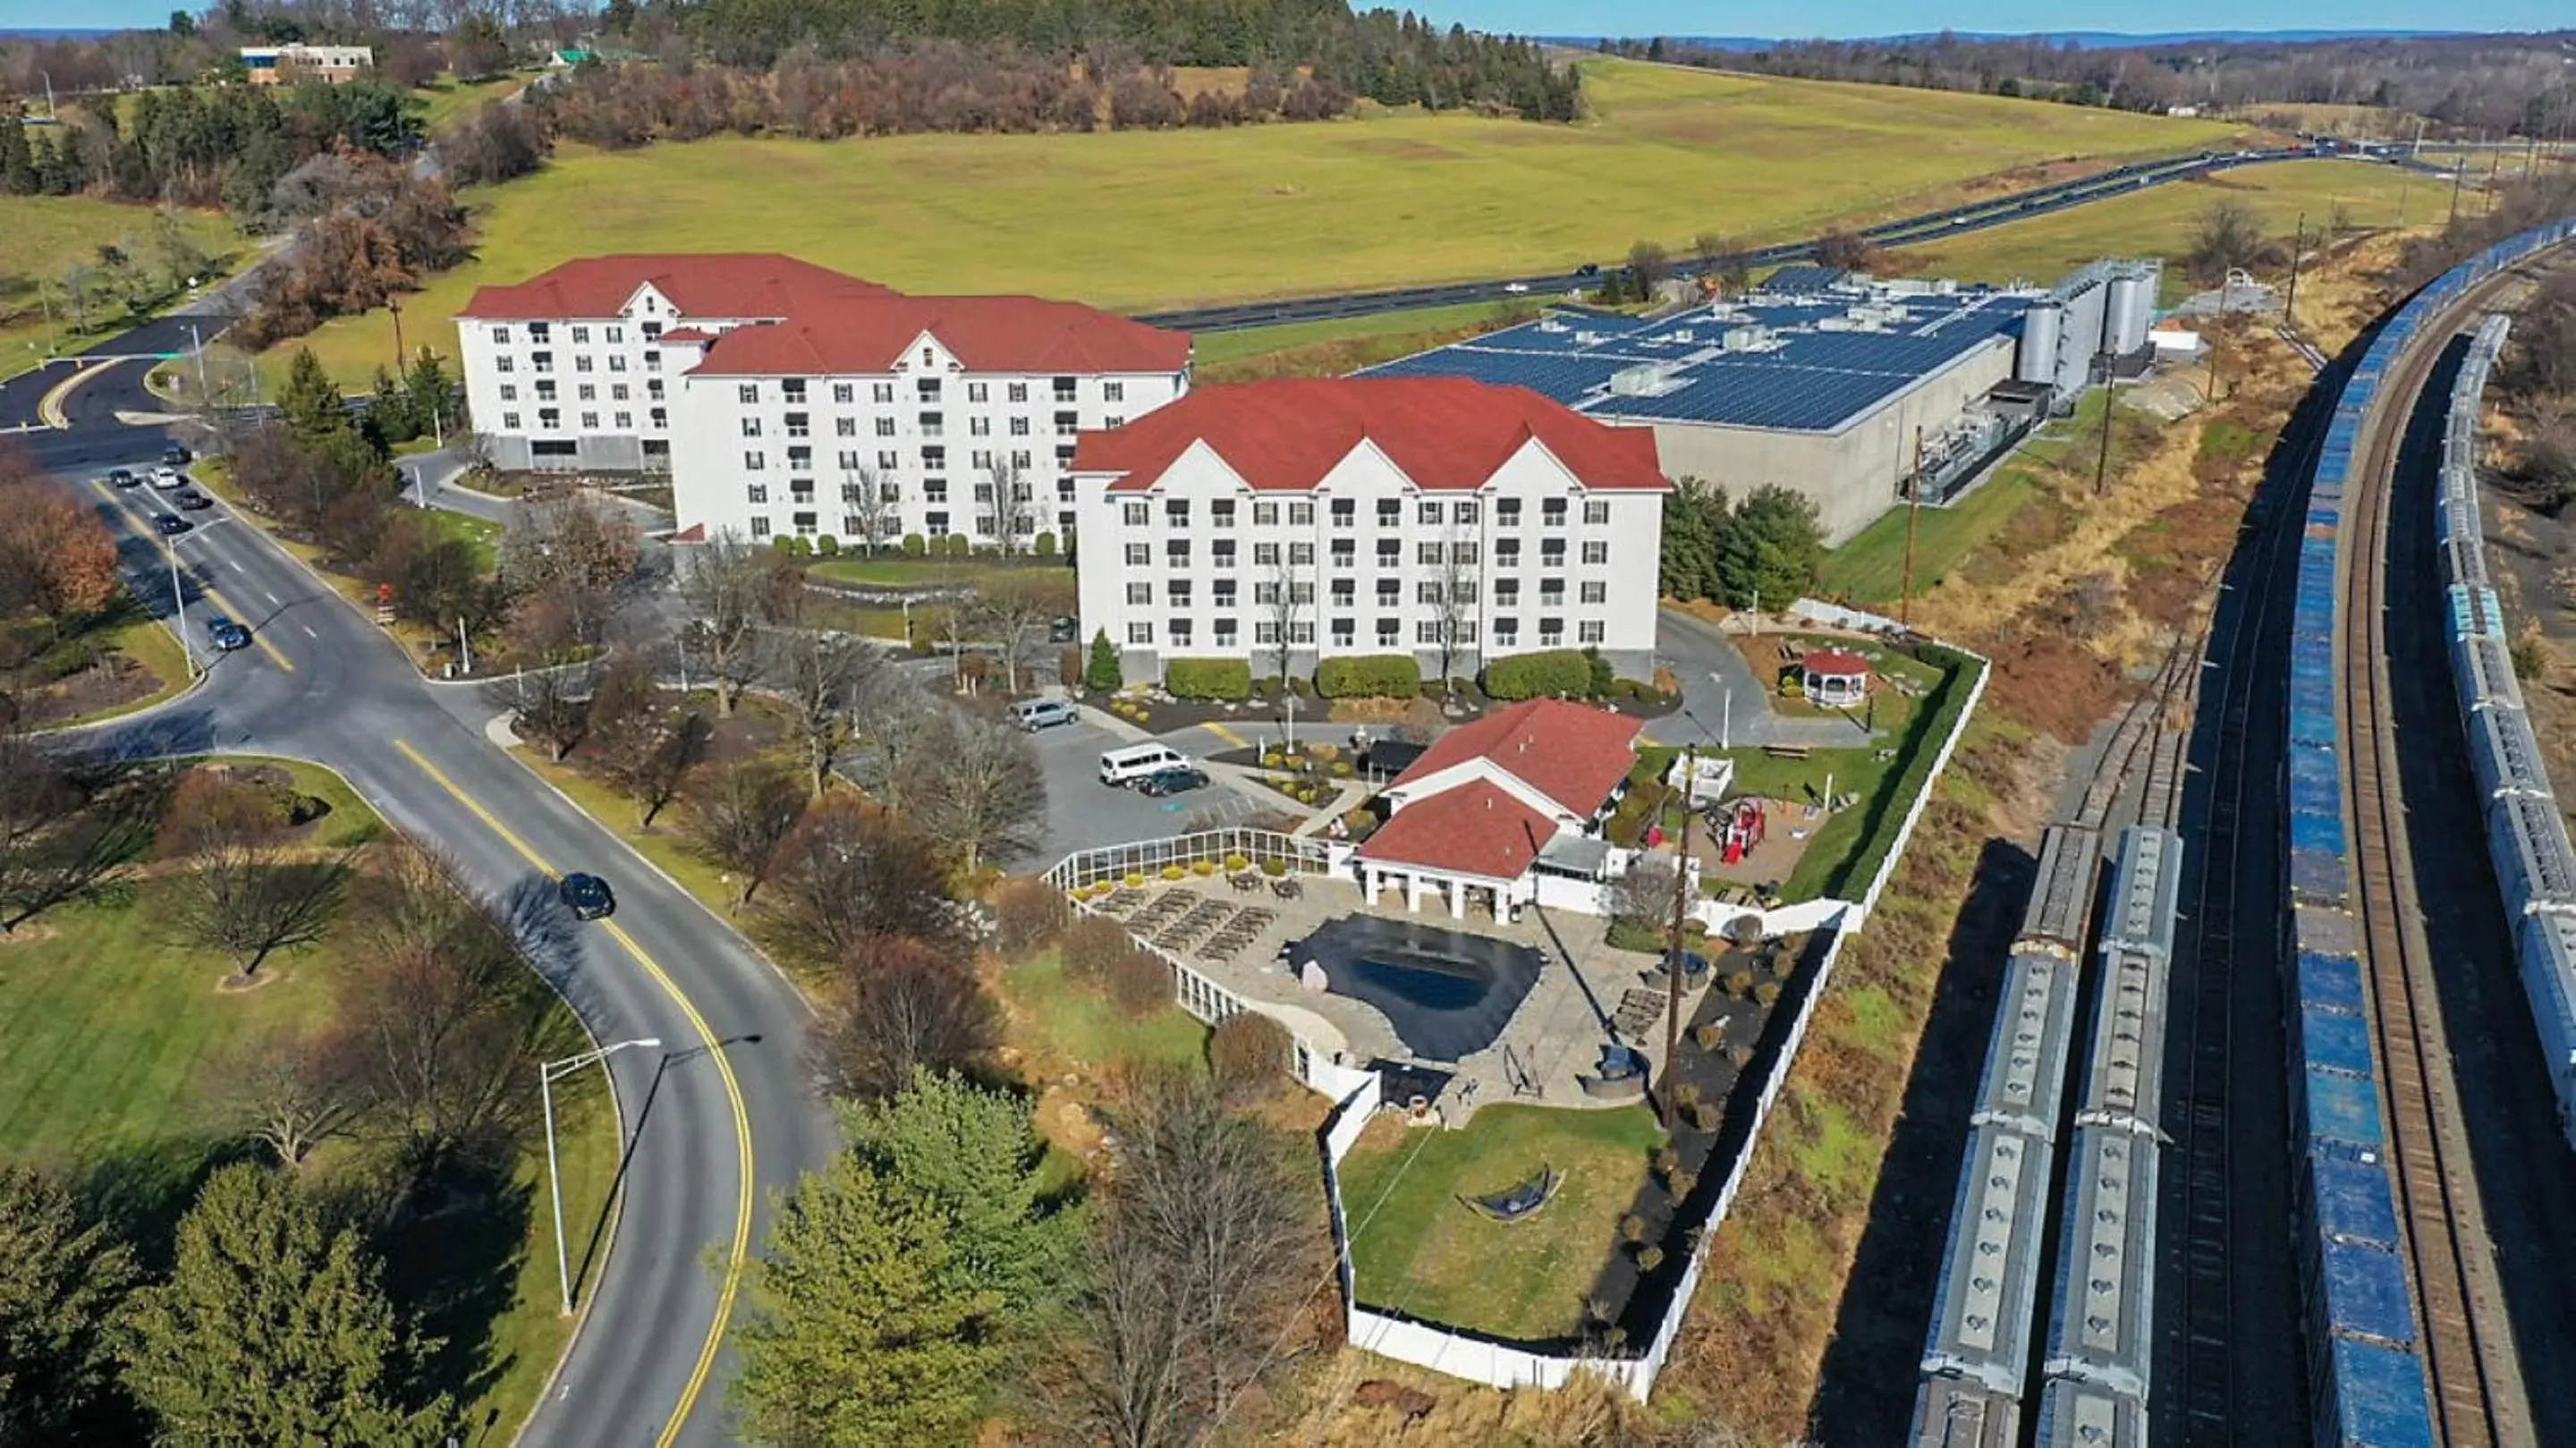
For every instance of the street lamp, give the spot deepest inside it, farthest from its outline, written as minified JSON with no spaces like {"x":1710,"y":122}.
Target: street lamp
{"x":179,"y":595}
{"x":547,"y":1075}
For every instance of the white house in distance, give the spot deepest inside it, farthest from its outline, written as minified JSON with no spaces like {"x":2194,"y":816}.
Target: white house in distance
{"x":787,"y":399}
{"x":1506,"y":812}
{"x":1290,"y":521}
{"x":286,"y":64}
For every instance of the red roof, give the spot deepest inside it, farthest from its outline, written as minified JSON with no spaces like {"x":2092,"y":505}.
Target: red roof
{"x":1572,"y":753}
{"x":723,"y":284}
{"x":867,"y":333}
{"x":1478,"y":829}
{"x":1443,"y":432}
{"x":1833,"y":661}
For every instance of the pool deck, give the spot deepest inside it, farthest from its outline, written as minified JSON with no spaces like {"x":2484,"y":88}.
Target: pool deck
{"x":1549,"y":1044}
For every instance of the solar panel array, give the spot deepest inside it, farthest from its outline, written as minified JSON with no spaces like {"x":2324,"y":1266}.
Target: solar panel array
{"x":1811,"y":365}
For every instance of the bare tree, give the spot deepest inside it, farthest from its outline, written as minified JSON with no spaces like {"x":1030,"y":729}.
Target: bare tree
{"x":728,"y":589}
{"x":738,"y":812}
{"x":1645,"y":896}
{"x":1454,"y":611}
{"x":871,"y":507}
{"x":293,"y":1090}
{"x":1014,"y":503}
{"x":551,"y":705}
{"x":572,"y":558}
{"x":987,"y":798}
{"x":242,"y":891}
{"x":849,"y":871}
{"x":822,"y":680}
{"x":644,"y":745}
{"x":1280,"y":600}
{"x":903,"y":1007}
{"x":1015,"y":609}
{"x":2225,"y":236}
{"x":62,"y":835}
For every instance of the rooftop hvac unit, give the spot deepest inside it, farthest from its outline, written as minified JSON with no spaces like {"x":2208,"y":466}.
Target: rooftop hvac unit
{"x":1836,"y":324}
{"x":1680,"y":334}
{"x":1746,"y":339}
{"x":1646,"y":379}
{"x":1550,"y":324}
{"x":1587,"y":339}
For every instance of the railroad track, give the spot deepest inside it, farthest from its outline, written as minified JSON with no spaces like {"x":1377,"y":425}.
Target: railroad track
{"x":2467,"y":1347}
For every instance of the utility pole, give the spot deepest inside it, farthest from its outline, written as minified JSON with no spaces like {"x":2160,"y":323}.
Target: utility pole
{"x":2495,"y":163}
{"x":394,"y":305}
{"x":2459,"y":173}
{"x":1673,"y":953}
{"x":197,"y":344}
{"x":1913,"y":507}
{"x":2298,"y":246}
{"x":2102,"y":463}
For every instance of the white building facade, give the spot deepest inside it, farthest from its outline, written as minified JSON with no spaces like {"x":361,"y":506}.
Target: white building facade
{"x":1293,"y":521}
{"x":786,"y":400}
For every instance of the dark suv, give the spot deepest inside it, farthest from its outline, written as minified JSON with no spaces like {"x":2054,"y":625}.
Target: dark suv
{"x":226,"y":634}
{"x":586,"y":896}
{"x":175,"y":456}
{"x":1179,"y":779}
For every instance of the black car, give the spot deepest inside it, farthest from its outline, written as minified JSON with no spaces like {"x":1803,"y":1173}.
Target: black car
{"x":123,"y":478}
{"x":192,"y":500}
{"x":171,"y":525}
{"x":586,"y":896}
{"x":175,"y":456}
{"x":1179,"y":779}
{"x":226,"y":634}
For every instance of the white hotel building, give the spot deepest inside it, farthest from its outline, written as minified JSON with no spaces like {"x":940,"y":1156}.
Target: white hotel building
{"x":789,"y":400}
{"x":1363,"y":516}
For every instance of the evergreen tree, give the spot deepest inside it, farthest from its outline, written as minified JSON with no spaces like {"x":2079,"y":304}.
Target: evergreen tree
{"x":271,"y":1329}
{"x":1695,"y":517}
{"x":1771,"y":549}
{"x":389,"y":411}
{"x":975,"y":1154}
{"x":17,"y":161}
{"x":312,"y":404}
{"x":59,"y":1283}
{"x":434,"y":395}
{"x":1103,"y":675}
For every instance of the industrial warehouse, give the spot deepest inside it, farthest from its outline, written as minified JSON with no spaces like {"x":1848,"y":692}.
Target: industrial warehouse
{"x":1843,"y":388}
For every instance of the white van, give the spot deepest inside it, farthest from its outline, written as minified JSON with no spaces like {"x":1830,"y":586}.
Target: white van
{"x":1128,"y":765}
{"x":1036,"y":714}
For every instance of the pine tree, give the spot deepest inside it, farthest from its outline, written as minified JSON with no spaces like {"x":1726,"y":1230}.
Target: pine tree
{"x":433,"y":393}
{"x":17,"y":161}
{"x":312,"y":404}
{"x":1103,"y":675}
{"x":59,"y":1282}
{"x":272,"y":1329}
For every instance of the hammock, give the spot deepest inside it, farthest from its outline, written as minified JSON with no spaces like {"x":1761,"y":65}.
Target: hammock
{"x":1514,"y":1203}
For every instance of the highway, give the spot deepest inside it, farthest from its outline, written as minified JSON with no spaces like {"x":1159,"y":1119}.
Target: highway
{"x":717,"y":1121}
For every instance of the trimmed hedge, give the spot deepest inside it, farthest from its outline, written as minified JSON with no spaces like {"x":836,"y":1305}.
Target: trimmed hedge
{"x":1531,"y":676}
{"x":1369,"y":676}
{"x":1223,"y":680}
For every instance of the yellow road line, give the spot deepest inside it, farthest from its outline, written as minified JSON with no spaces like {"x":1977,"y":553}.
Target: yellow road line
{"x":143,"y":528}
{"x":741,"y":1245}
{"x":1229,"y":736}
{"x":49,"y":411}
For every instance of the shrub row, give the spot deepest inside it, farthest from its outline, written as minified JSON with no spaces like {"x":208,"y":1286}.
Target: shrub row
{"x":1532,"y":676}
{"x":1369,"y":676}
{"x":1221,"y":680}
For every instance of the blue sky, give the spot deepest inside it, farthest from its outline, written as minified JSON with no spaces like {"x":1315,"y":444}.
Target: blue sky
{"x":1767,"y":17}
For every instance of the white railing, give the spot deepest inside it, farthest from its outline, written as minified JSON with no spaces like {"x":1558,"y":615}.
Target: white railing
{"x":1149,"y":858}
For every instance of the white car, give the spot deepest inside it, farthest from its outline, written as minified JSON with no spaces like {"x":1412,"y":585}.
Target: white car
{"x":168,"y":478}
{"x":1516,"y":287}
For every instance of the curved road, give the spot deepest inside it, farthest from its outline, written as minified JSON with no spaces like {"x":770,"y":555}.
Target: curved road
{"x":715,"y":1122}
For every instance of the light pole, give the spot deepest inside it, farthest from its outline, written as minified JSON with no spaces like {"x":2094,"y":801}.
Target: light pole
{"x":546,"y":1077}
{"x":179,"y":596}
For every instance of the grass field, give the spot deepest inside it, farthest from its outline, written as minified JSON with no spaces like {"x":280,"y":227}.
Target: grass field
{"x":1137,"y":219}
{"x":42,"y":237}
{"x":447,"y":100}
{"x":1218,"y":348}
{"x":1870,"y":569}
{"x":928,"y":572}
{"x":115,"y":1032}
{"x":1058,"y":1027}
{"x":1423,"y":1251}
{"x":2158,"y":221}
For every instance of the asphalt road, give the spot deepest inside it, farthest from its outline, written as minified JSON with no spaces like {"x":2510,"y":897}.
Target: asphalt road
{"x":717,"y":1120}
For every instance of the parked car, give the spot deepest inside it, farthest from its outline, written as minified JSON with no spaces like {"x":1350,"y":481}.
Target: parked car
{"x":123,"y":478}
{"x":226,"y":635}
{"x":193,"y":501}
{"x":1163,"y":783}
{"x":586,"y":896}
{"x":171,"y":525}
{"x":176,"y":456}
{"x":1036,"y":714}
{"x":168,"y":478}
{"x":1128,"y":765}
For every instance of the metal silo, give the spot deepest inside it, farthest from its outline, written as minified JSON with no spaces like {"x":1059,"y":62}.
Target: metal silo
{"x":2040,"y":330}
{"x":2124,"y":330}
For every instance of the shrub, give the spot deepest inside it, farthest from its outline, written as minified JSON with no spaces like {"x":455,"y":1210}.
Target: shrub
{"x":828,"y":546}
{"x":804,"y":547}
{"x":1649,"y":1258}
{"x":1602,"y":676}
{"x":1091,"y":944}
{"x":1740,"y":984}
{"x":1139,"y":984}
{"x":1275,"y":869}
{"x":1173,"y":872}
{"x":1767,"y":993}
{"x":1236,"y":863}
{"x":1248,"y":1052}
{"x":957,"y":545}
{"x":1704,"y":1116}
{"x":784,"y":544}
{"x":914,"y":545}
{"x":1531,"y":676}
{"x":1223,"y":680}
{"x":1370,"y":676}
{"x":1341,"y":769}
{"x":1028,"y":916}
{"x":1708,"y":1035}
{"x":1632,"y":1228}
{"x":1272,"y":759}
{"x":1682,"y":1182}
{"x":1133,"y":879}
{"x":1044,"y":547}
{"x":1203,"y":868}
{"x":1103,"y":675}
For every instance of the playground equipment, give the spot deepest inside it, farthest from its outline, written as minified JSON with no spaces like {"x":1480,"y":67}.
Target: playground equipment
{"x":1739,"y":825}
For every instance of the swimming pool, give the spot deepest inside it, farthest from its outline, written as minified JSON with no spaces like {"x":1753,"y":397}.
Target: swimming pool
{"x":1447,"y":993}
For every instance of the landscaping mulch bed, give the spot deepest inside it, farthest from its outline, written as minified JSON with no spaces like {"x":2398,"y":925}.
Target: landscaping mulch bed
{"x":111,"y":682}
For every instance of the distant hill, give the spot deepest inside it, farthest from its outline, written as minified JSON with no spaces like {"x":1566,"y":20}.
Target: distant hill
{"x":2085,"y":39}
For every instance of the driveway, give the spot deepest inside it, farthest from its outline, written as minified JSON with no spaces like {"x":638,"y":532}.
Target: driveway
{"x":1083,"y":813}
{"x":1722,"y":702}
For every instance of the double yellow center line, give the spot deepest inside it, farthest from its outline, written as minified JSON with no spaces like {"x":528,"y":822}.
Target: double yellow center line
{"x":740,"y":1247}
{"x":144,"y":529}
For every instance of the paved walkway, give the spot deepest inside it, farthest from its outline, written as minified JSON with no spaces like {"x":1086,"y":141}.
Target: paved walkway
{"x":1722,"y":702}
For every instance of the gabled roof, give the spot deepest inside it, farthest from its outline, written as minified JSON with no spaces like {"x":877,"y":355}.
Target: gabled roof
{"x":720,"y":284}
{"x":1833,"y":661}
{"x":1573,"y":754}
{"x":1443,"y":432}
{"x":867,"y":333}
{"x":1476,"y":829}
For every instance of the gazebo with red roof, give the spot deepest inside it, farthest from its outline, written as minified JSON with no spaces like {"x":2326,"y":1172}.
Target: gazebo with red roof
{"x":1834,"y":676}
{"x":1491,"y":802}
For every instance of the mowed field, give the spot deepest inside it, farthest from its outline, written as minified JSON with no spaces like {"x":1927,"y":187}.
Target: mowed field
{"x":2158,"y":221}
{"x":43,"y":237}
{"x":1139,"y":220}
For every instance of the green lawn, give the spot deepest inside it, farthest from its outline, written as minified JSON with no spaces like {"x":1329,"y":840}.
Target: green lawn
{"x":1050,"y":1018}
{"x":1870,"y":569}
{"x":41,"y":237}
{"x":2158,"y":221}
{"x":928,"y":572}
{"x":482,"y":534}
{"x":1418,"y":1248}
{"x":447,"y":100}
{"x":115,"y":1033}
{"x":1142,"y":219}
{"x":1218,"y":348}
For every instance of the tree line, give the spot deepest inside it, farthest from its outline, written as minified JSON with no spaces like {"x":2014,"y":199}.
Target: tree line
{"x":1761,"y":553}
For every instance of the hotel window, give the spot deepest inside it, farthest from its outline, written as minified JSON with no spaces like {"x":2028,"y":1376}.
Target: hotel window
{"x":504,"y":364}
{"x":1140,"y":593}
{"x":545,"y":392}
{"x":848,"y":458}
{"x":1346,"y":552}
{"x":542,"y":361}
{"x":1301,"y":593}
{"x":1265,"y":515}
{"x":617,"y":392}
{"x":1346,"y":632}
{"x":1346,"y":591}
{"x":1265,"y":555}
{"x":653,"y":332}
{"x":852,"y":523}
{"x":1596,"y":592}
{"x":1389,"y":592}
{"x":978,"y":391}
{"x":509,"y":392}
{"x":934,"y":490}
{"x":1390,"y":512}
{"x":1176,"y":552}
{"x":1551,"y":632}
{"x":1135,"y":515}
{"x":652,"y":361}
{"x":887,"y":460}
{"x":1113,"y":420}
{"x":1460,"y":552}
{"x":984,"y":524}
{"x":845,"y":427}
{"x":590,"y":421}
{"x":1427,"y":632}
{"x":548,"y":419}
{"x":653,"y":388}
{"x":1019,"y":427}
{"x":935,"y":524}
{"x":1426,"y":592}
{"x":979,"y":427}
{"x":1064,"y":490}
{"x":589,"y":392}
{"x":1064,"y":456}
{"x":580,"y":362}
{"x":1140,"y":555}
{"x":1507,"y":633}
{"x":1301,"y":633}
{"x":1064,"y":389}
{"x":800,"y":459}
{"x":1019,"y":392}
{"x":1427,"y":553}
{"x":1551,"y":592}
{"x":1551,"y":512}
{"x":1463,"y":591}
{"x":616,"y":334}
{"x":1180,"y":628}
{"x":1020,"y":457}
{"x":1225,"y":634}
{"x":983,"y":492}
{"x":1507,"y":512}
{"x":1221,"y":552}
{"x":845,"y":392}
{"x":853,"y":494}
{"x":890,"y":492}
{"x":1177,"y":592}
{"x":1221,"y":512}
{"x":1140,"y":633}
{"x":759,"y":526}
{"x":1346,"y":512}
{"x":1067,"y":423}
{"x":1551,"y":553}
{"x":616,"y":361}
{"x":1596,"y":551}
{"x":927,"y":388}
{"x":501,"y":335}
{"x":1113,"y":392}
{"x":1390,"y":552}
{"x":792,"y":390}
{"x":1463,"y":511}
{"x":660,"y":417}
{"x":1427,"y":513}
{"x":540,"y":331}
{"x":1588,"y":631}
{"x":885,"y":427}
{"x":1301,"y":515}
{"x":980,"y":458}
{"x":746,"y":393}
{"x":1596,"y":511}
{"x":1176,"y":512}
{"x":1265,"y":591}
{"x":934,"y":457}
{"x":509,"y":422}
{"x":755,"y":461}
{"x":1507,"y":591}
{"x":1264,"y":633}
{"x":580,"y":335}
{"x":756,"y":493}
{"x":1221,"y":592}
{"x":1507,"y":553}
{"x":930,"y":426}
{"x":1387,"y":632}
{"x":881,"y":391}
{"x":1301,"y":555}
{"x":751,"y":427}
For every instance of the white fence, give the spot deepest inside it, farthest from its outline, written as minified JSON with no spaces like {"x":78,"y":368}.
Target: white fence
{"x":1149,"y":858}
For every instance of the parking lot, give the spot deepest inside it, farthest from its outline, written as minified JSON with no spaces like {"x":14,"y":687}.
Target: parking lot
{"x":1082,"y":812}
